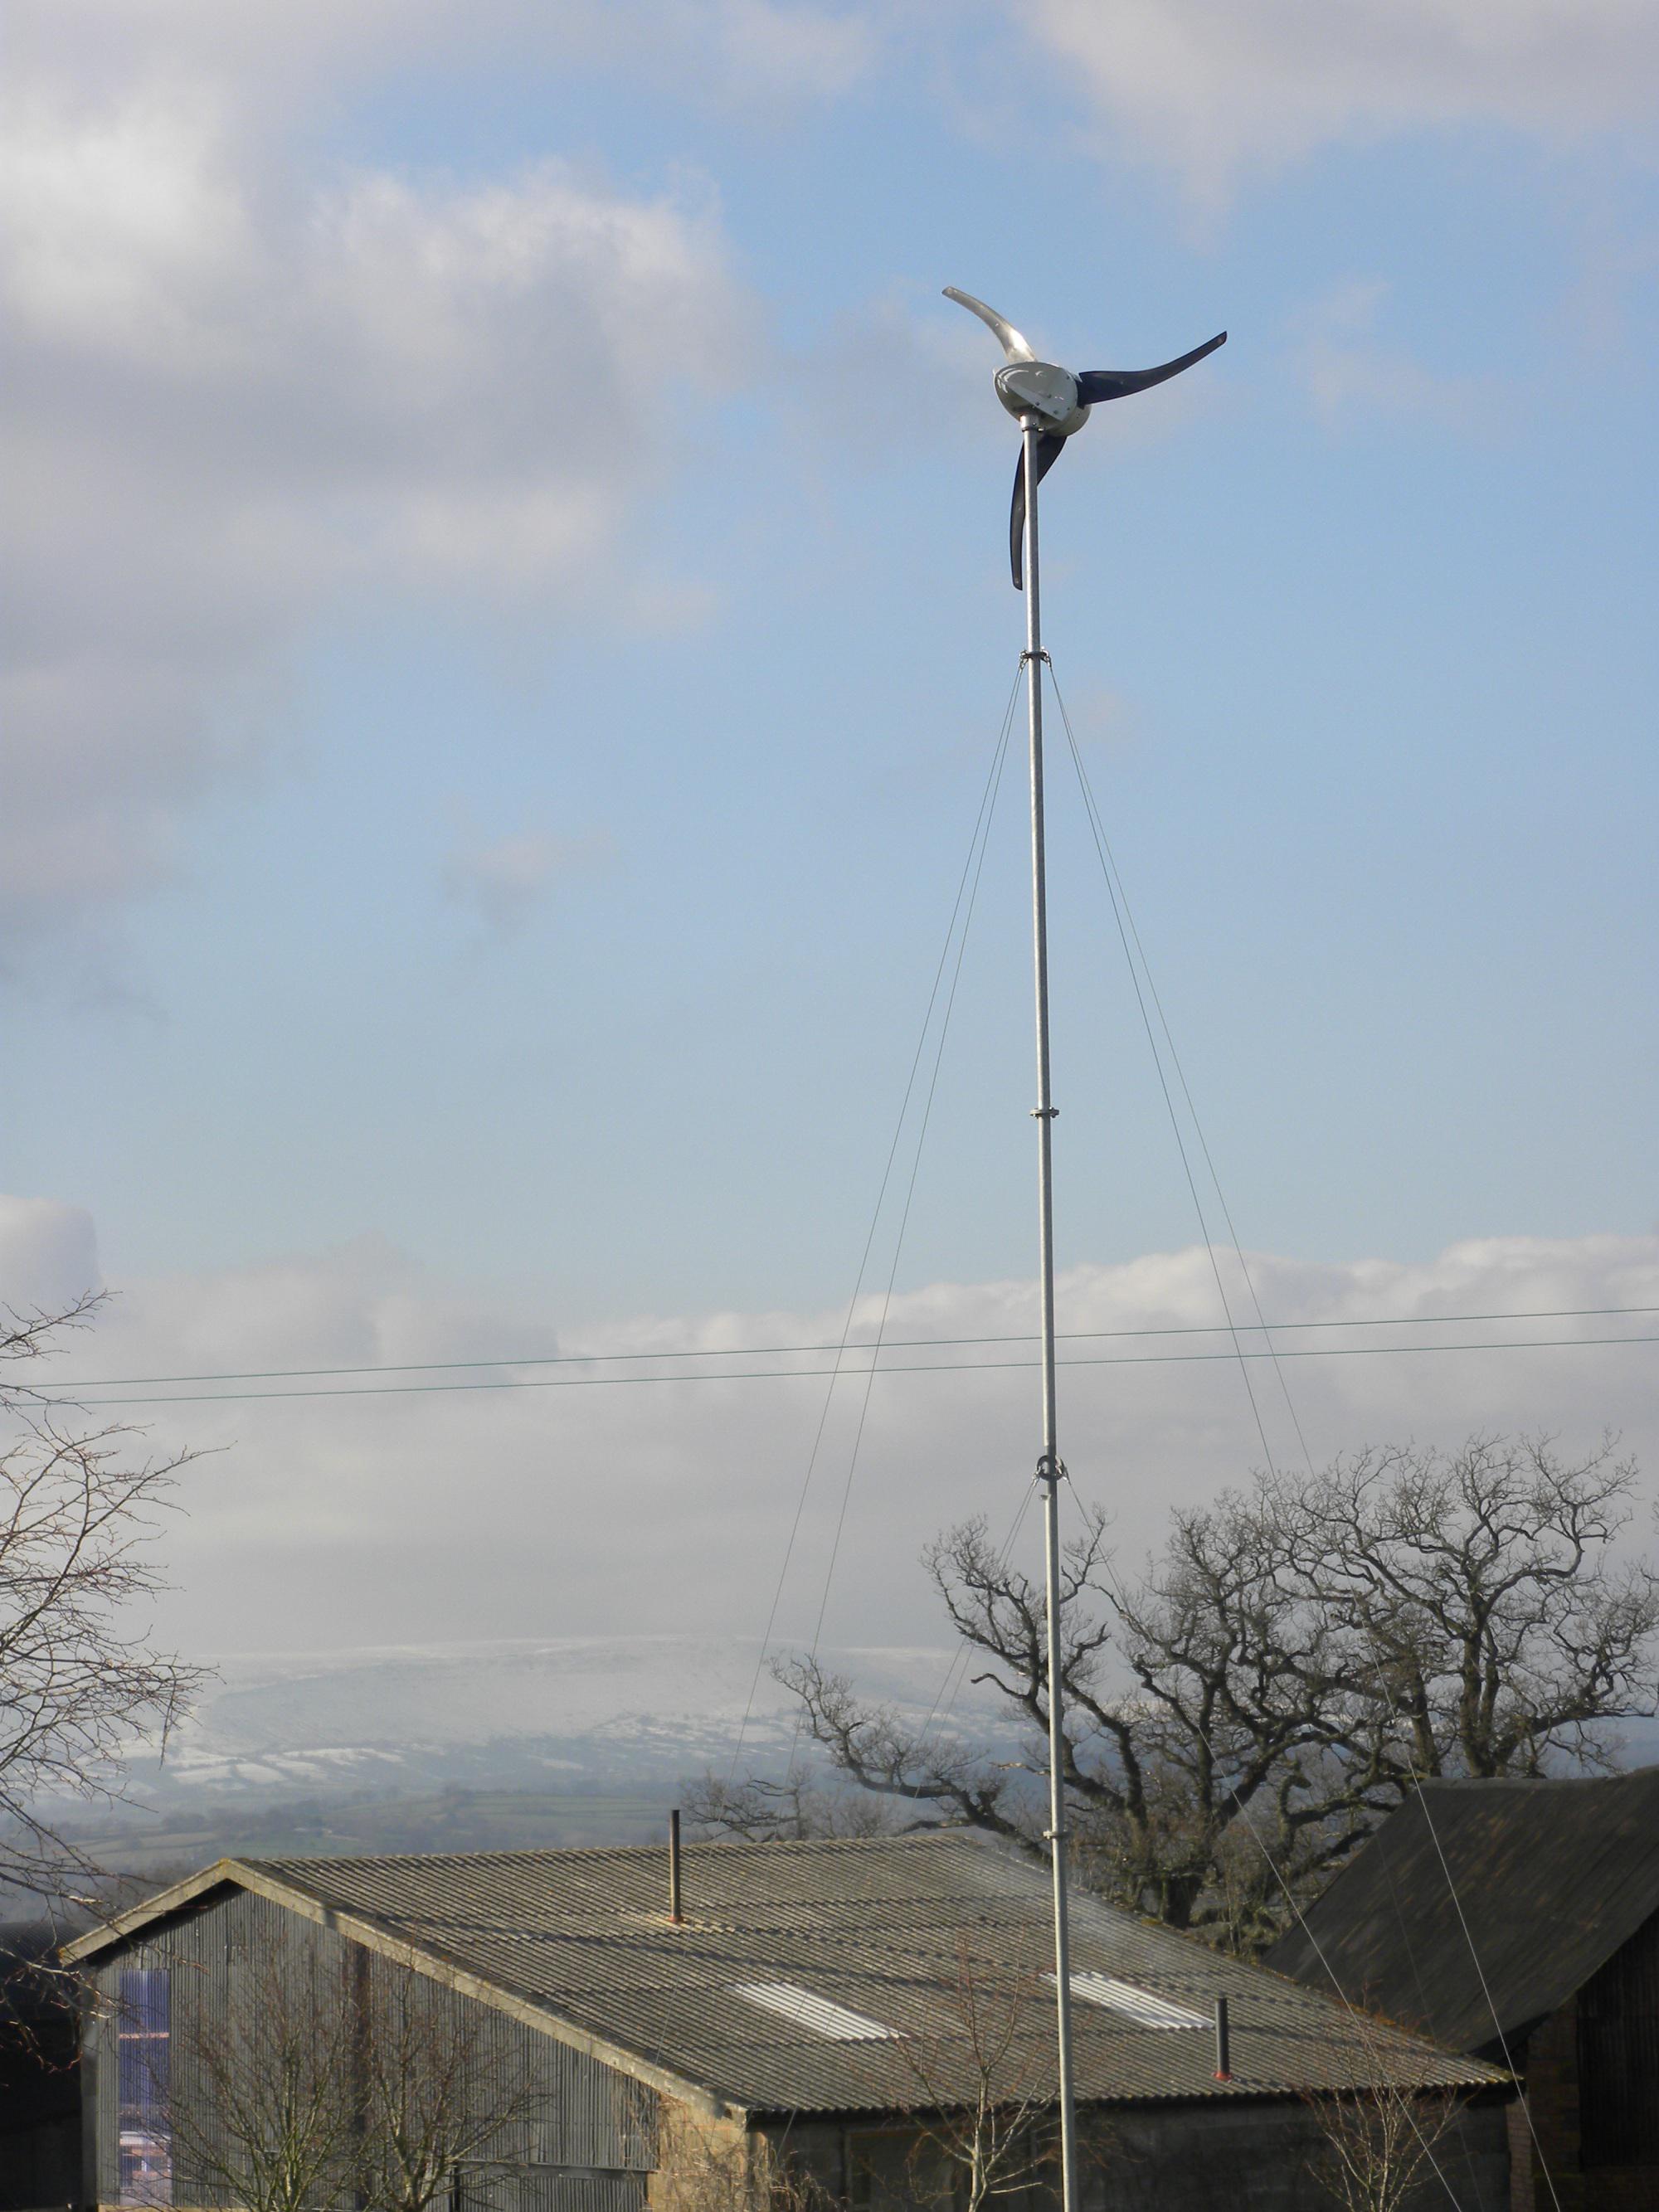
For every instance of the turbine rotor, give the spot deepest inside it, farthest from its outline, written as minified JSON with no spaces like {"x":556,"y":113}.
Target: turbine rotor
{"x":1055,"y":401}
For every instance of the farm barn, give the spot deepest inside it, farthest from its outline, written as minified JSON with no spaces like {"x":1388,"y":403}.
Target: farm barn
{"x":819,"y":2017}
{"x":1519,"y":1920}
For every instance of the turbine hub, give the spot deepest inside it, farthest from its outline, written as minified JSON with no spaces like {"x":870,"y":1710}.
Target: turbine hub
{"x":1040,"y":388}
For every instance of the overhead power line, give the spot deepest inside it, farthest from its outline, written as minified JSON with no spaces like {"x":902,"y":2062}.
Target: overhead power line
{"x":898,"y":1367}
{"x":66,"y":1388}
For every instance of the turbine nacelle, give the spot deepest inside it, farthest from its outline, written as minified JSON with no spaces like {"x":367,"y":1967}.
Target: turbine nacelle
{"x":1039,"y":388}
{"x":1053,"y":401}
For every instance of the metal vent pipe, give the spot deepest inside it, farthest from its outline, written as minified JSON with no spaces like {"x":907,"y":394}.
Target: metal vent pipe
{"x":674,"y":1913}
{"x":1223,"y":2070}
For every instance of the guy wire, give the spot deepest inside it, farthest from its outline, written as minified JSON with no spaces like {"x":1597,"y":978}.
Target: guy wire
{"x":1123,"y":913}
{"x":910,"y":1195}
{"x":980,"y":830}
{"x":1152,"y":1040}
{"x":1113,"y":889}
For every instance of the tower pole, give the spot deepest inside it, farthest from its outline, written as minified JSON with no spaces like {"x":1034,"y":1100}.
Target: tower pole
{"x":1049,"y":1470}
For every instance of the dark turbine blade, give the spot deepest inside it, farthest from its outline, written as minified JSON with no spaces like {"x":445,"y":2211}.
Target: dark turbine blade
{"x":1095,"y":385}
{"x":1049,"y":449}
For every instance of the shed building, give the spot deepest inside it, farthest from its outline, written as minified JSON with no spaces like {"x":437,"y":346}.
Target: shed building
{"x":1519,"y":1920}
{"x":809,"y":2000}
{"x":39,"y":2092}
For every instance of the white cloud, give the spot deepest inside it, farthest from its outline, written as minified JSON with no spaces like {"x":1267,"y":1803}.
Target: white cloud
{"x":597,"y":1508}
{"x":723,"y":52}
{"x":48,"y":1254}
{"x":1223,"y":88}
{"x":239,"y":399}
{"x":500,"y":881}
{"x":1345,"y":370}
{"x":763,"y":51}
{"x":897,"y":343}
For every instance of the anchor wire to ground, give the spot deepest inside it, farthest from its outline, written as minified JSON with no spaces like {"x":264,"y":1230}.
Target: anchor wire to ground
{"x":910,"y":1196}
{"x":1120,"y":908}
{"x":1147,"y":1021}
{"x":959,"y":1664}
{"x":1123,"y":914}
{"x":976,"y":844}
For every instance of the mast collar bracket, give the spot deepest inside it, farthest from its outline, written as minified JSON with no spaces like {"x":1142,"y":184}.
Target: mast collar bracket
{"x":1026,"y":658}
{"x":1051,"y":1469}
{"x":1045,"y":1112}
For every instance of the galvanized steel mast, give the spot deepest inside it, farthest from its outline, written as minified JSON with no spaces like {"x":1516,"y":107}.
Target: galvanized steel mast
{"x":1051,"y":404}
{"x":1050,"y":1470}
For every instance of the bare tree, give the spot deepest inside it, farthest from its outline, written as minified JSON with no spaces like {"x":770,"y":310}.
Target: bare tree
{"x":1476,"y":1597}
{"x":1381,"y":2145}
{"x":260,"y":2106}
{"x":1196,"y":1783}
{"x":330,"y":2081}
{"x":444,"y":2105}
{"x":1241,"y":1714}
{"x":79,"y":1684}
{"x":757,"y":1810}
{"x":982,"y":2100}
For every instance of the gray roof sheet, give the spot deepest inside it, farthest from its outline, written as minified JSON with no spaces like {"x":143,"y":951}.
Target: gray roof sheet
{"x":1551,"y":1878}
{"x":876,"y":1926}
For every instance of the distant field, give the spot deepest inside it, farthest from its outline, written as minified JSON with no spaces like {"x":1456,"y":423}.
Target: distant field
{"x":446,"y":1820}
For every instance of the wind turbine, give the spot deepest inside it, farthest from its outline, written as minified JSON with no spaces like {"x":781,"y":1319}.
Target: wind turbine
{"x":1051,"y":404}
{"x":1058,"y":400}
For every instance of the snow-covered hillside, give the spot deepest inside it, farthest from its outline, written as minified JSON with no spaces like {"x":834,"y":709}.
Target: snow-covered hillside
{"x":576,"y":1712}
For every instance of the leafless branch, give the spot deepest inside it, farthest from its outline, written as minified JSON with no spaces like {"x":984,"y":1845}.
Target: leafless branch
{"x":326,"y":2080}
{"x":981,"y":2099}
{"x":79,"y":1682}
{"x":755,"y":1810}
{"x":1241,"y":1714}
{"x":1379,"y":2146}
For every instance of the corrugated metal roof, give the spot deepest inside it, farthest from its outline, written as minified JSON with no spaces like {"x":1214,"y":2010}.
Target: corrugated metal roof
{"x":1552,"y":1877}
{"x":874,"y":1927}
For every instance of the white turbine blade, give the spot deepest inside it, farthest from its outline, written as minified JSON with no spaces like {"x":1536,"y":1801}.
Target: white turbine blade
{"x":1013,"y":345}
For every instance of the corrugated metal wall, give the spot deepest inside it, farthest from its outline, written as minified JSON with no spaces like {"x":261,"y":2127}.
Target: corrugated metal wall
{"x":1618,"y":2056}
{"x":580,"y":2137}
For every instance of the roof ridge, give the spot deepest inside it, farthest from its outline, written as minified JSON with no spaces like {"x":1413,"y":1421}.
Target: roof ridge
{"x":564,"y":1852}
{"x":1540,"y":1783}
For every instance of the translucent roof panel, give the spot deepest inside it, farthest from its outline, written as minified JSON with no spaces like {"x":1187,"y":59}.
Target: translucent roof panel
{"x":1136,"y":2004}
{"x":807,"y":2010}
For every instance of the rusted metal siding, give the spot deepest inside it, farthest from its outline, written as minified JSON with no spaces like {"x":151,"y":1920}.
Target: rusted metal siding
{"x":581,"y":2138}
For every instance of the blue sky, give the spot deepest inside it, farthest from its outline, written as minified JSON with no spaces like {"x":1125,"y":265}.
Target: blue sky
{"x":515,"y":620}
